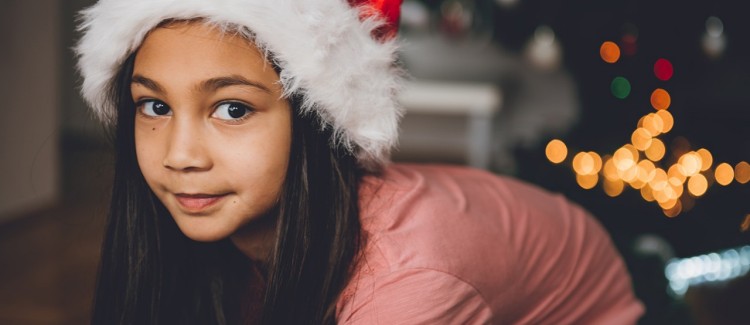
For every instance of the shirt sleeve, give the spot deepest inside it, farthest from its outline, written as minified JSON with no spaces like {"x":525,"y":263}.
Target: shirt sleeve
{"x":416,"y":296}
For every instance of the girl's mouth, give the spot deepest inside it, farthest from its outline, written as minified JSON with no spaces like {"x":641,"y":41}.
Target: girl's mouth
{"x":198,"y":202}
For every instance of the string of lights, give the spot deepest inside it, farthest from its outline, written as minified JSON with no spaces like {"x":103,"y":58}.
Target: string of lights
{"x":672,"y":183}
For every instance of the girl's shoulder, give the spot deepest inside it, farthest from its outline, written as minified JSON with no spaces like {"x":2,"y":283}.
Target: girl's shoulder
{"x":452,"y":198}
{"x":504,"y":248}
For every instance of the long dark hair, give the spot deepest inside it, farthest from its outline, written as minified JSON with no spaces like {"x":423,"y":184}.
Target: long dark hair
{"x":150,"y":273}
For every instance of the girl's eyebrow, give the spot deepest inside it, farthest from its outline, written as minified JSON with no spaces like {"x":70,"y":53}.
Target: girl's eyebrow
{"x":146,"y":82}
{"x":207,"y":85}
{"x":214,"y":84}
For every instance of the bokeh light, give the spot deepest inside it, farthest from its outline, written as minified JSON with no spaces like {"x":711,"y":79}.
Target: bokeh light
{"x":610,"y":171}
{"x":676,"y":175}
{"x":714,"y":26}
{"x":697,"y":185}
{"x":663,"y":182}
{"x":629,"y":175}
{"x":677,"y":191}
{"x":620,"y":87}
{"x":742,"y":172}
{"x":647,"y":194}
{"x":629,"y":44}
{"x":645,"y":170}
{"x":659,"y":180}
{"x":614,"y":187}
{"x":691,"y":162}
{"x":583,"y":163}
{"x":597,"y":161}
{"x":706,"y":158}
{"x":587,"y":181}
{"x":714,"y":41}
{"x":625,"y":157}
{"x":669,"y":203}
{"x":660,"y":99}
{"x":610,"y":52}
{"x":655,"y":152}
{"x":666,"y":119}
{"x":663,"y":69}
{"x":556,"y":151}
{"x":724,"y":174}
{"x":641,"y":139}
{"x":543,"y":50}
{"x":673,"y":211}
{"x":652,"y":123}
{"x":636,"y":183}
{"x":745,"y":226}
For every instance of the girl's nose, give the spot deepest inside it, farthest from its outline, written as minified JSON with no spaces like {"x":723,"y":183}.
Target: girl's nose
{"x":186,"y":147}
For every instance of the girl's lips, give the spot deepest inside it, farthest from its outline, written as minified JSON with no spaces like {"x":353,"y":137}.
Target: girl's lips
{"x":197,"y":202}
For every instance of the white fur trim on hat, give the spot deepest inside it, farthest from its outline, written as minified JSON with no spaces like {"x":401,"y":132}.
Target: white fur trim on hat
{"x":325,"y":52}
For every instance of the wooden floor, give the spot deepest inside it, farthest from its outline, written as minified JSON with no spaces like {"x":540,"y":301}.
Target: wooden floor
{"x":48,"y":259}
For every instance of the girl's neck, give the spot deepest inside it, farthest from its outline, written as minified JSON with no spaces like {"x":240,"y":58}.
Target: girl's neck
{"x":256,"y":239}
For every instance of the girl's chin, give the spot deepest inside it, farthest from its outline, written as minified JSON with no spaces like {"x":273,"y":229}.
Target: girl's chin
{"x":204,"y":230}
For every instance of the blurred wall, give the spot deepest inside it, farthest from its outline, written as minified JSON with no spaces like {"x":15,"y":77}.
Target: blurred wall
{"x":77,"y":123}
{"x":30,"y":92}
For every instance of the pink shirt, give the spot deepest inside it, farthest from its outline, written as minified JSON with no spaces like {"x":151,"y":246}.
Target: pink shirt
{"x":451,"y":245}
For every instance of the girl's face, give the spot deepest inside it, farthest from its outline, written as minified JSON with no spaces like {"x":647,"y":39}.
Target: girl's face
{"x":212,"y":133}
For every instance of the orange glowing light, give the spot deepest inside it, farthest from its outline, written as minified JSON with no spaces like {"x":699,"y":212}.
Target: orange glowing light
{"x":659,"y":180}
{"x":653,"y":124}
{"x":647,"y":194}
{"x":556,"y":151}
{"x":668,"y":204}
{"x":697,"y":185}
{"x":742,"y":172}
{"x":636,"y":183}
{"x":597,"y":161}
{"x":641,"y":139}
{"x":676,"y":175}
{"x":671,"y":193}
{"x":691,"y":162}
{"x":660,"y":99}
{"x":677,"y":191}
{"x":610,"y":52}
{"x":656,"y":150}
{"x":613,"y":188}
{"x":645,"y":170}
{"x":706,"y":159}
{"x":624,"y":159}
{"x":587,"y":181}
{"x":661,"y":196}
{"x":629,"y":174}
{"x":674,"y":211}
{"x":583,"y":163}
{"x":609,"y":170}
{"x":724,"y":174}
{"x":667,"y":120}
{"x":745,"y":226}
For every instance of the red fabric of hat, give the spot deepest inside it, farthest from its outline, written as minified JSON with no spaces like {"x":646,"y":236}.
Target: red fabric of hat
{"x":388,"y":9}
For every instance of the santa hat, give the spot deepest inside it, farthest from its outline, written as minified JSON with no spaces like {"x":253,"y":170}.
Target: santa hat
{"x":338,"y":55}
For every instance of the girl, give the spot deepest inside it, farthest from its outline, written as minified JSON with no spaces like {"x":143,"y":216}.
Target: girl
{"x":252,"y":183}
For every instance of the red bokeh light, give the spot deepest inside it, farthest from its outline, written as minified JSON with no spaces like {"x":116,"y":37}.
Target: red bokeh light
{"x":663,"y":69}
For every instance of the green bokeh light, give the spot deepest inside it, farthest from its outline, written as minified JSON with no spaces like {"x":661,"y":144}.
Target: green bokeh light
{"x":620,"y":87}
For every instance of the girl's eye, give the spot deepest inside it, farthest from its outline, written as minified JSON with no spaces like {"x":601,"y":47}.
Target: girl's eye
{"x":155,"y":108}
{"x":231,"y":111}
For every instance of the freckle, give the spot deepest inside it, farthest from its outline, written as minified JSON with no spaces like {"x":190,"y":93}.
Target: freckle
{"x":234,"y":202}
{"x":153,"y":129}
